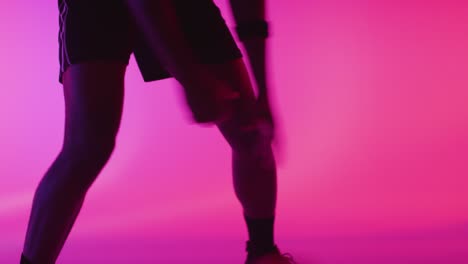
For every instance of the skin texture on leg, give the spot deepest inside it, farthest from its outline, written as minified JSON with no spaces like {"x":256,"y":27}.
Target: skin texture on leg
{"x":93,"y":103}
{"x":253,"y":162}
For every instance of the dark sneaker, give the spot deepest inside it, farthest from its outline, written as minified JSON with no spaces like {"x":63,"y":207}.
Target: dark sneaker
{"x":267,"y":256}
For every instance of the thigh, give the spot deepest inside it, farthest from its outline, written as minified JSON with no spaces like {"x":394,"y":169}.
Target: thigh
{"x":246,"y":127}
{"x":94,"y":95}
{"x":234,"y":73}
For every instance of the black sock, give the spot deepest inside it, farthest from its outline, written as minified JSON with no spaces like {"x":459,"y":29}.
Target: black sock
{"x":24,"y":260}
{"x":261,"y":236}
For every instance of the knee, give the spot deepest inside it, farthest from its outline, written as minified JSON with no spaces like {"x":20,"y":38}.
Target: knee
{"x":252,"y":149}
{"x":80,"y":163}
{"x":254,"y":141}
{"x":89,"y":152}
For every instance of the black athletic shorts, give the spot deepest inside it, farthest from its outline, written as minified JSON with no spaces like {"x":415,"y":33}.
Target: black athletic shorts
{"x":93,"y":30}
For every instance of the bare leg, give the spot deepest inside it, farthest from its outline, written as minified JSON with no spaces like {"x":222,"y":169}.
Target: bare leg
{"x":253,"y":163}
{"x":93,"y":100}
{"x":159,"y":23}
{"x":249,"y":134}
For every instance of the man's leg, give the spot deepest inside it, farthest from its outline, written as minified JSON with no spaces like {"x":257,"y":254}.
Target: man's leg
{"x":253,"y":163}
{"x":93,"y":104}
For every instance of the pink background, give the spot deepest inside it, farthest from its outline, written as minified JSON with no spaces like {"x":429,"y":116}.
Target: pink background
{"x":372,"y":98}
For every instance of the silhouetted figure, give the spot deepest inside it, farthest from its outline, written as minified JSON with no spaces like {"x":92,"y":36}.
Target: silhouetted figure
{"x":190,"y":41}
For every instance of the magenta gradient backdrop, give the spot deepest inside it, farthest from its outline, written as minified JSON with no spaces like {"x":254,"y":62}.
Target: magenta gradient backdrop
{"x":372,"y":98}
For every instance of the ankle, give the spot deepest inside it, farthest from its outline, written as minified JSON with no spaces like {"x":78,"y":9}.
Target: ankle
{"x":261,"y":235}
{"x":256,"y":251}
